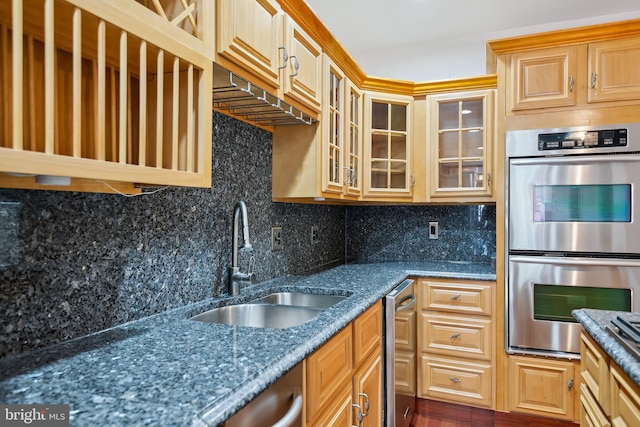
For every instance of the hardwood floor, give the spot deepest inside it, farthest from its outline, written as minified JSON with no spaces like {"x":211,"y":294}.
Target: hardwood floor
{"x":438,"y":414}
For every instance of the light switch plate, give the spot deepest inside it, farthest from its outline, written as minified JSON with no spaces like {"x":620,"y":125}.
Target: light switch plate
{"x":433,"y":230}
{"x":315,"y":235}
{"x":276,"y":238}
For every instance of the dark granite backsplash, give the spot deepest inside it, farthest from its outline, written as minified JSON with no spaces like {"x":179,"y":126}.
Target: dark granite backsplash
{"x":400,"y":233}
{"x":76,"y":263}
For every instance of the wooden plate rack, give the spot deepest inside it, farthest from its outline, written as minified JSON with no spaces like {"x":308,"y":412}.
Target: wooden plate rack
{"x":114,"y":90}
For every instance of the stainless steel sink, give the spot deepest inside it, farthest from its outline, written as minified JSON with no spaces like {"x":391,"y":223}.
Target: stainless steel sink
{"x":301,"y":299}
{"x":259,"y":315}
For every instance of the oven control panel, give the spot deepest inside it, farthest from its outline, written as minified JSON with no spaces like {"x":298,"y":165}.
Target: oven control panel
{"x":582,"y":139}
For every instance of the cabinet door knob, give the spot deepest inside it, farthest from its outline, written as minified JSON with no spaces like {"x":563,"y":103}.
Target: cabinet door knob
{"x":570,"y":384}
{"x":571,"y":83}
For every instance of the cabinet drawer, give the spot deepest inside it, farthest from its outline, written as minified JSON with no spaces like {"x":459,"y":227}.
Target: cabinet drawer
{"x":328,"y":371}
{"x":457,"y":381}
{"x":625,"y":404}
{"x":590,"y":413}
{"x":457,"y":336}
{"x":594,"y":367}
{"x":367,"y":332}
{"x":458,"y":297}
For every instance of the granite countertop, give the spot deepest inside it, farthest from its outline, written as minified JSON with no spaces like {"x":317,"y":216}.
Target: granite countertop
{"x":594,"y":322}
{"x":168,"y":370}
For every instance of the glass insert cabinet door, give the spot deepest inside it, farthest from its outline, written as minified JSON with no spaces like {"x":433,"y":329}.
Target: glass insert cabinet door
{"x":387,"y":145}
{"x":333,"y":135}
{"x":460,"y":130}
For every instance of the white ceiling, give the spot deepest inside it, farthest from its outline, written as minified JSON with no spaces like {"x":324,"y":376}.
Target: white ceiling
{"x":423,"y":40}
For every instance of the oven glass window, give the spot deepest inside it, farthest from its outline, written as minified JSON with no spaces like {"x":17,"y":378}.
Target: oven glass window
{"x":555,"y":302}
{"x":582,"y":203}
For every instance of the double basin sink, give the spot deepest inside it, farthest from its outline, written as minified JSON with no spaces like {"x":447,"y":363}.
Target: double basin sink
{"x":277,"y":310}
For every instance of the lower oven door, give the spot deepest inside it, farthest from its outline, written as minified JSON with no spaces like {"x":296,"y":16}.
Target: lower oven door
{"x":542,"y":292}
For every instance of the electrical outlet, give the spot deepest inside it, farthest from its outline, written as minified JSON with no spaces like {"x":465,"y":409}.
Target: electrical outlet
{"x":276,"y":238}
{"x":433,"y":230}
{"x":315,"y":235}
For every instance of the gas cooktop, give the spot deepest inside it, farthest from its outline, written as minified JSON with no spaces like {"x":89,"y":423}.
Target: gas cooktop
{"x":625,"y":328}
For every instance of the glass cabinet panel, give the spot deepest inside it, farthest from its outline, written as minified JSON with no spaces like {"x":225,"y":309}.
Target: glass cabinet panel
{"x":335,"y":138}
{"x":334,"y":128}
{"x":386,"y":155}
{"x":458,"y":132}
{"x":354,"y":99}
{"x":388,"y":146}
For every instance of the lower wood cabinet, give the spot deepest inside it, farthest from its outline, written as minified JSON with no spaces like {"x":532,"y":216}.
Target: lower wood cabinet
{"x":543,"y":387}
{"x":344,"y":376}
{"x":456,"y":341}
{"x":367,"y":390}
{"x":338,"y":413}
{"x":465,"y":382}
{"x":608,"y":397}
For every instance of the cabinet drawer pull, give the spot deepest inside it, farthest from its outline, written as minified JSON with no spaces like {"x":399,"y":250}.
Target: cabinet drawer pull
{"x":296,"y":65}
{"x":455,"y":380}
{"x":594,"y":79}
{"x":571,"y":83}
{"x":367,"y":405}
{"x":455,"y":297}
{"x":570,"y":384}
{"x":360,"y":416}
{"x":454,"y":336}
{"x":285,"y":57}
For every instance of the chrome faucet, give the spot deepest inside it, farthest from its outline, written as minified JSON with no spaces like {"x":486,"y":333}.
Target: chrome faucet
{"x":237,"y":279}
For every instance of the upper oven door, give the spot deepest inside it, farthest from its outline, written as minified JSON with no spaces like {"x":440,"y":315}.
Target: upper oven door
{"x":574,"y":203}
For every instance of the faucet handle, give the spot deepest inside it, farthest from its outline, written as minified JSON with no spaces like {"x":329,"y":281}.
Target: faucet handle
{"x":252,"y":264}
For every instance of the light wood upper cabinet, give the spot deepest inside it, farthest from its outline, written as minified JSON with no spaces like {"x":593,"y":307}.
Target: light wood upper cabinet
{"x":353,"y":140}
{"x":543,"y":78}
{"x":333,"y":127}
{"x":256,"y":40}
{"x":322,"y":160}
{"x":583,"y":76}
{"x":93,"y":95}
{"x":302,"y":76}
{"x":460,"y":144}
{"x":387,"y":146}
{"x":249,"y":34}
{"x":614,"y":70}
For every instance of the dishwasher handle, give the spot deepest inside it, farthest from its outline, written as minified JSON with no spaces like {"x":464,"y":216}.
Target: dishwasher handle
{"x":404,"y":305}
{"x":294,"y":410}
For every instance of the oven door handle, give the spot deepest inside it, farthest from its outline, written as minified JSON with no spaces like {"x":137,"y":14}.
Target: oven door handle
{"x":614,"y":262}
{"x":557,"y":160}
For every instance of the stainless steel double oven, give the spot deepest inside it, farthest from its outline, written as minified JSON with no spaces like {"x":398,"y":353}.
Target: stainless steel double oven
{"x":572,"y":232}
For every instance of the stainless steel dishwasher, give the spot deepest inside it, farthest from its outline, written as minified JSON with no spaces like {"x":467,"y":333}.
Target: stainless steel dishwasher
{"x":280,"y":405}
{"x":400,"y":355}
